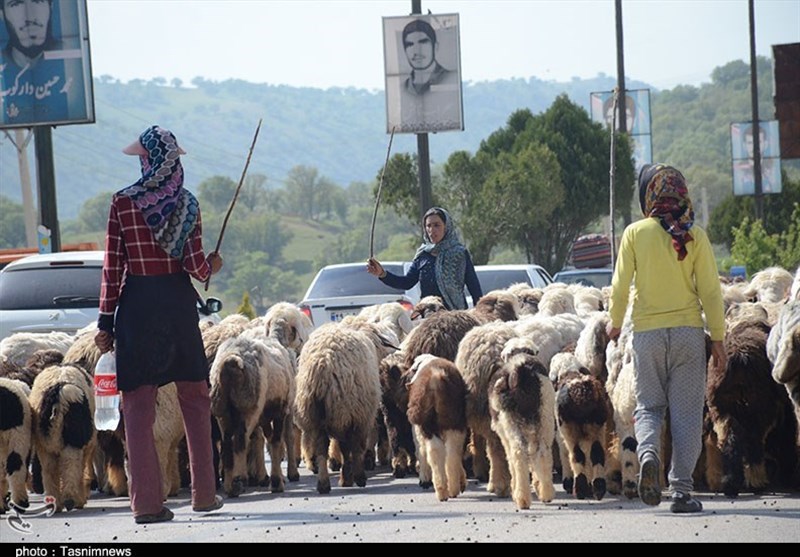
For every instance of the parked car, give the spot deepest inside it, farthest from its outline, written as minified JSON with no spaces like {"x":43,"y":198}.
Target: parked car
{"x":590,"y":276}
{"x":499,"y":277}
{"x":344,"y":289}
{"x":58,"y":292}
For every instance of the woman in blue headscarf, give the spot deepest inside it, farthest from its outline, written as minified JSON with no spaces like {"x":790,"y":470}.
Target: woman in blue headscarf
{"x":442,"y":264}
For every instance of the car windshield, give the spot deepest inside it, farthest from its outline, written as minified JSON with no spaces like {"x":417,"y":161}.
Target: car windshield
{"x":587,"y":278}
{"x":50,"y":287}
{"x":353,"y":280}
{"x":501,"y":279}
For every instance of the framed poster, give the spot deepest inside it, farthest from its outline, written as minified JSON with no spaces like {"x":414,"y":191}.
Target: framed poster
{"x":743,"y":163}
{"x":637,"y":120}
{"x":422,"y":60}
{"x":45,"y":69}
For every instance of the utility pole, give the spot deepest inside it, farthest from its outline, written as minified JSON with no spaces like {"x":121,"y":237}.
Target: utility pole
{"x":620,"y":98}
{"x":756,"y":124}
{"x":46,"y":183}
{"x":20,"y":142}
{"x":423,"y":154}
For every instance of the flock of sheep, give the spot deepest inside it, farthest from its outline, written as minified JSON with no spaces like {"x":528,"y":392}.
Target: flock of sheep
{"x":522,"y":388}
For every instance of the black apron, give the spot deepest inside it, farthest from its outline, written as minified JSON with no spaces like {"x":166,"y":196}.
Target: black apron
{"x":156,"y":333}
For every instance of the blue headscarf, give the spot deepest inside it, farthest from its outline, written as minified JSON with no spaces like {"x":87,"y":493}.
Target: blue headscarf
{"x":169,"y":210}
{"x":451,"y":259}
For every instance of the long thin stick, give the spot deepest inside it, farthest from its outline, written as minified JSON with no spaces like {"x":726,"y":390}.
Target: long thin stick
{"x":612,"y":176}
{"x":235,"y":195}
{"x":378,"y":197}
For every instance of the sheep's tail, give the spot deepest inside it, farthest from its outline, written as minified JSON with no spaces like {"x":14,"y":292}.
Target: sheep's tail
{"x":69,"y":402}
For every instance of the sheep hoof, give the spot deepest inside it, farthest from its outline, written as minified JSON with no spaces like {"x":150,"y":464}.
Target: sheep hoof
{"x":568,"y":484}
{"x":334,"y":465}
{"x":276,"y":485}
{"x":400,"y":472}
{"x":24,"y":503}
{"x":69,"y":504}
{"x":294,"y":476}
{"x":582,"y":489}
{"x":425,"y":484}
{"x":630,"y":490}
{"x":324,"y":487}
{"x":599,"y":488}
{"x":361,"y":480}
{"x":237,"y":487}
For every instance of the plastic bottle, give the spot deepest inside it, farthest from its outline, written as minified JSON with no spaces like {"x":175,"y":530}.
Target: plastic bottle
{"x":106,"y":395}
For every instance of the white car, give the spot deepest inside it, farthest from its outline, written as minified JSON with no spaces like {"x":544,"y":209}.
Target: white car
{"x":57,"y":292}
{"x":500,"y":277}
{"x":344,"y":289}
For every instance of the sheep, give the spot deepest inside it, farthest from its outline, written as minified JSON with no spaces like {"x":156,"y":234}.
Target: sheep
{"x":252,"y":384}
{"x":556,"y":299}
{"x":522,"y":409}
{"x":745,"y":407}
{"x":550,"y":333}
{"x":436,"y":409}
{"x":426,"y":307}
{"x":584,"y":413}
{"x":439,"y":335}
{"x":394,"y":377}
{"x":590,"y":348}
{"x":393,"y":314}
{"x":772,"y":284}
{"x":338,"y":395}
{"x":64,"y":437}
{"x":528,"y":297}
{"x":794,"y":291}
{"x":231,"y":326}
{"x":288,"y":325}
{"x":15,"y":441}
{"x":478,"y":359}
{"x":587,"y":299}
{"x":497,"y":305}
{"x":18,"y":347}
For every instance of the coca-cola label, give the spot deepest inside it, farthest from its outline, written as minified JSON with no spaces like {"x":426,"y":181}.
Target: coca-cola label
{"x":105,"y":385}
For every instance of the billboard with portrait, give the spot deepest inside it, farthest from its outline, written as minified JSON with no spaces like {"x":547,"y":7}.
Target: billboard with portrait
{"x":422,"y":61}
{"x":45,"y":68}
{"x":637,"y":119}
{"x":742,"y":161}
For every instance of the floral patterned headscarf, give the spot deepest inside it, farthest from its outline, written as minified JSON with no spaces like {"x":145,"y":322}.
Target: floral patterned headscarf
{"x":663,"y":195}
{"x":169,"y":210}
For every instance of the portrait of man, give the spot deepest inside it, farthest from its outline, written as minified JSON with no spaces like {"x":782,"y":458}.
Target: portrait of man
{"x":629,"y":108}
{"x":743,"y":150}
{"x":636,"y":107}
{"x":42,"y":73}
{"x":423,"y":84}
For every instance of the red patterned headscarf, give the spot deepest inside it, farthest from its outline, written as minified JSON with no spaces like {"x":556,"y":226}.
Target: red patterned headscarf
{"x":663,"y":195}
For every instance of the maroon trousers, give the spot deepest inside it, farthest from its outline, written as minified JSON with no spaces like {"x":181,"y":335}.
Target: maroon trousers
{"x":139,"y":406}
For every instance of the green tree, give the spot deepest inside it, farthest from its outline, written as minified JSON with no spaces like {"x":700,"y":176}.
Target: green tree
{"x":215,"y":193}
{"x":308,"y":193}
{"x":12,"y":224}
{"x":254,"y":274}
{"x":93,"y":215}
{"x":753,"y":247}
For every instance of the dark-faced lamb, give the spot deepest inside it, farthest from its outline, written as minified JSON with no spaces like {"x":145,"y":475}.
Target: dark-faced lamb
{"x":15,"y":441}
{"x":522,"y":410}
{"x":436,"y":409}
{"x":62,"y":404}
{"x":394,"y":378}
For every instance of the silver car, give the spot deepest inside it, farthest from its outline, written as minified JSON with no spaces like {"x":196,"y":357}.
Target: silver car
{"x":58,"y":292}
{"x":344,"y":289}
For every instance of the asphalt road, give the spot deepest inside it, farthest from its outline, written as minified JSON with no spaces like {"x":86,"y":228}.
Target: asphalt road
{"x":389,"y":510}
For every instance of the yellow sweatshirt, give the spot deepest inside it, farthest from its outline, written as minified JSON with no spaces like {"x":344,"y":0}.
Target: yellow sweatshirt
{"x":667,"y":292}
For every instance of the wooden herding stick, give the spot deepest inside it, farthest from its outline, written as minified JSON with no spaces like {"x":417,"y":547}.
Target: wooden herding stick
{"x":235,"y":195}
{"x":378,"y":198}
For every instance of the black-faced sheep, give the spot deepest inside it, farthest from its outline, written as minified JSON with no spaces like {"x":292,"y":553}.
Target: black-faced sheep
{"x":62,"y":402}
{"x":252,"y":384}
{"x":745,"y":407}
{"x":522,"y":409}
{"x":436,"y":409}
{"x":338,"y":396}
{"x":584,"y":413}
{"x":15,"y":441}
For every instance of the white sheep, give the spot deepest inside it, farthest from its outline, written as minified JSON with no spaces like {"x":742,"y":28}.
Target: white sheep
{"x":393,"y":314}
{"x":338,"y":395}
{"x":18,"y":347}
{"x":62,"y":403}
{"x":772,"y":284}
{"x":556,"y":299}
{"x":15,"y":441}
{"x":522,"y":409}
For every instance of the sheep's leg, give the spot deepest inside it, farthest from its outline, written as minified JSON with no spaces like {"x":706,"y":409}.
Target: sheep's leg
{"x":173,"y":469}
{"x":319,"y":443}
{"x":542,"y":468}
{"x":629,"y":462}
{"x":290,"y":441}
{"x":597,"y":458}
{"x":480,"y":462}
{"x":425,"y":472}
{"x":3,"y":490}
{"x":256,"y":468}
{"x":116,"y":480}
{"x":71,"y":463}
{"x":499,"y":474}
{"x":17,"y":471}
{"x":87,"y":474}
{"x":437,"y":455}
{"x":613,"y":465}
{"x":276,"y":456}
{"x":567,"y":475}
{"x":335,"y":457}
{"x":578,"y":457}
{"x":51,"y":478}
{"x":519,"y":464}
{"x":384,"y":453}
{"x":454,"y":452}
{"x":732,"y":458}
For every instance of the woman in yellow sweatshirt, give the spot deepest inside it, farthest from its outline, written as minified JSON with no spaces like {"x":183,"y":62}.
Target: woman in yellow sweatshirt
{"x":675,"y":280}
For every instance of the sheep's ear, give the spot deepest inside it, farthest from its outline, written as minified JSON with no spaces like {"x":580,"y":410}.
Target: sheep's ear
{"x":385,"y":342}
{"x":415,"y":315}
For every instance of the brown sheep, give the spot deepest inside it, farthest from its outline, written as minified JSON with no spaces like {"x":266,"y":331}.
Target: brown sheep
{"x":436,"y":409}
{"x":394,"y":406}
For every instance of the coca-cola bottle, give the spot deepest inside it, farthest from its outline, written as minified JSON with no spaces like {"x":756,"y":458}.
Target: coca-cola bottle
{"x":106,"y":395}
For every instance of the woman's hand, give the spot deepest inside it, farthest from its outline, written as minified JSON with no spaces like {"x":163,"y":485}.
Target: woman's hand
{"x":375,"y":268}
{"x":104,"y":341}
{"x":215,"y":260}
